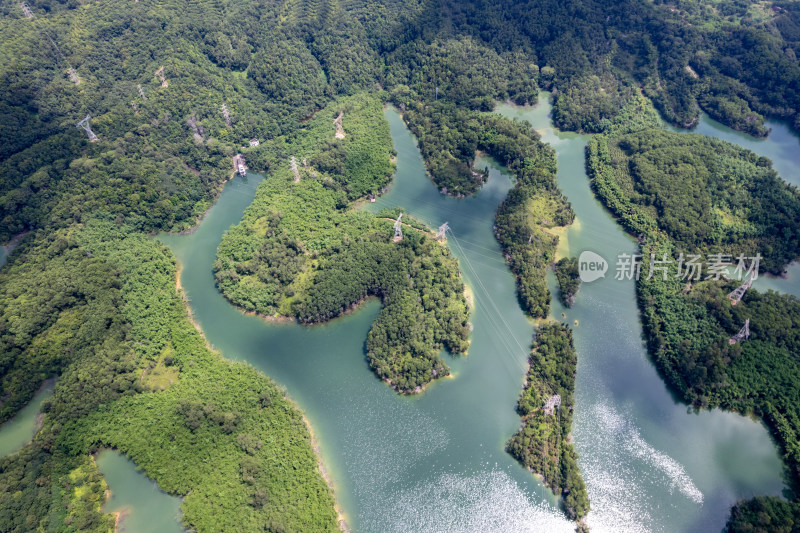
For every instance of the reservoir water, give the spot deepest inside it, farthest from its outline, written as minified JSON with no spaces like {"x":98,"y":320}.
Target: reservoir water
{"x":143,"y":507}
{"x":649,"y":464}
{"x":436,"y":462}
{"x":18,"y":431}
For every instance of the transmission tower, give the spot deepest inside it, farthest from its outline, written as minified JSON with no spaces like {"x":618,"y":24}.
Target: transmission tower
{"x":736,"y":295}
{"x":226,"y":115}
{"x":27,"y":10}
{"x":141,"y":92}
{"x":197,"y":129}
{"x":441,"y":235}
{"x":743,"y":334}
{"x":85,"y":125}
{"x":70,"y":71}
{"x":398,"y":229}
{"x":160,"y":74}
{"x":552,"y":403}
{"x":295,"y":170}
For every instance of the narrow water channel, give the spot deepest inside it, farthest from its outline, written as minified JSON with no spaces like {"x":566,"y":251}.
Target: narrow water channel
{"x":17,"y":432}
{"x":436,"y":462}
{"x":649,"y":464}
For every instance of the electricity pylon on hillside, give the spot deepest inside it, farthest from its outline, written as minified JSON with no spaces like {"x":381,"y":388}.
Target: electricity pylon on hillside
{"x":85,"y":125}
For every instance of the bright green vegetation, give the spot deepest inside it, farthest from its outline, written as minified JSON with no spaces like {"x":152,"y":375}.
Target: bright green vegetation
{"x":112,"y":328}
{"x":543,"y":443}
{"x":569,"y":282}
{"x":71,"y":306}
{"x":222,"y":434}
{"x":688,"y":325}
{"x":764,"y":515}
{"x":530,"y":209}
{"x":302,"y":251}
{"x":709,"y":195}
{"x":533,"y":206}
{"x":84,"y":491}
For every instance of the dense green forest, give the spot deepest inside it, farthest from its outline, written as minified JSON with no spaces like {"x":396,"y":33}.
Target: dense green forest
{"x":450,"y":135}
{"x":688,"y":322}
{"x":709,"y":196}
{"x":543,"y":443}
{"x":764,"y":515}
{"x":569,"y":282}
{"x":68,"y":298}
{"x":530,"y":209}
{"x":302,"y":251}
{"x":734,"y":60}
{"x":257,"y":466}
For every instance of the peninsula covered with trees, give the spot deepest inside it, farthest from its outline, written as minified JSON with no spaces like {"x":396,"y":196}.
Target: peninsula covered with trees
{"x":302,"y":251}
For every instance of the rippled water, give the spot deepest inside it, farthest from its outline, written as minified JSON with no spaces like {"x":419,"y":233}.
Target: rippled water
{"x":436,"y":462}
{"x":649,"y":464}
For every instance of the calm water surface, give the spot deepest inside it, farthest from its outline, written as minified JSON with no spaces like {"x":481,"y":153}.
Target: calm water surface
{"x":436,"y":462}
{"x":18,"y":431}
{"x":143,"y":506}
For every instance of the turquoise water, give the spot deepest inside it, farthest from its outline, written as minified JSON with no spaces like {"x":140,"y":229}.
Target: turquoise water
{"x":649,"y":464}
{"x":431,"y":462}
{"x":436,"y":462}
{"x":18,"y":431}
{"x":144,"y":507}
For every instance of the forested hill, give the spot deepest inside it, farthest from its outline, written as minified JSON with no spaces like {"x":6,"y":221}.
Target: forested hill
{"x":301,"y":250}
{"x":686,"y":193}
{"x":735,"y":60}
{"x":272,"y":64}
{"x":158,"y":77}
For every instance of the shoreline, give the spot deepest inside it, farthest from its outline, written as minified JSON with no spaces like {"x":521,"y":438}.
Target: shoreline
{"x":341,"y":517}
{"x":200,"y":218}
{"x":11,"y":245}
{"x":315,"y":446}
{"x":118,"y":515}
{"x":15,"y":240}
{"x":185,"y":299}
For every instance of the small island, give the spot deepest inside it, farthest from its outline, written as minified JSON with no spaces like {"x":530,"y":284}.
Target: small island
{"x":543,"y":443}
{"x":569,"y":281}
